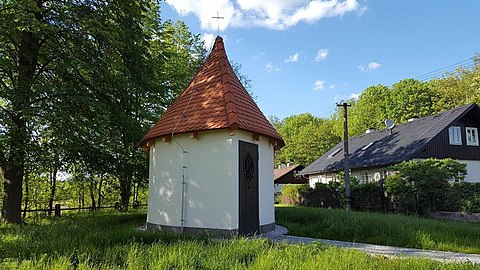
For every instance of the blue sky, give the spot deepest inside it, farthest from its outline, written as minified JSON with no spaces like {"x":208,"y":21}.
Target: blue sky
{"x":304,"y":56}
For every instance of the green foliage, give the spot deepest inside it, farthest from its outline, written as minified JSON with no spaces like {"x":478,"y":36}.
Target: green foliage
{"x":410,"y":98}
{"x":306,"y":138}
{"x":367,"y":197}
{"x":421,"y":185}
{"x":111,"y":241}
{"x":295,"y":193}
{"x":463,"y":197}
{"x":87,"y":79}
{"x":383,"y":229}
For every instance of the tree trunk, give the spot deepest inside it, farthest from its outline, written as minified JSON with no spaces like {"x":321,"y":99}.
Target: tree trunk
{"x":27,"y":194}
{"x":53,"y":187}
{"x":99,"y":199}
{"x":13,"y":177}
{"x":125,"y":191}
{"x":28,"y":51}
{"x":92,"y":192}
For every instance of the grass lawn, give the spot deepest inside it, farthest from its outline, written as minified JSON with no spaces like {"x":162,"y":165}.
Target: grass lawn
{"x":108,"y":240}
{"x":384,"y":229}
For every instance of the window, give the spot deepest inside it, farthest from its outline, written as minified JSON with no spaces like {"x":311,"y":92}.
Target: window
{"x":383,"y":173}
{"x":455,"y":135}
{"x":365,"y":175}
{"x":334,"y":153}
{"x":367,"y":146}
{"x":472,"y":136}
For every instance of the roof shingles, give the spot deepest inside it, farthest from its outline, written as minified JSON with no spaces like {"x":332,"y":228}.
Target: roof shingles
{"x":215,"y":99}
{"x":404,"y":143}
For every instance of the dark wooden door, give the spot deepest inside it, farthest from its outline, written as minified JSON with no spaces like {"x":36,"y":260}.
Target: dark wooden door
{"x":248,"y":188}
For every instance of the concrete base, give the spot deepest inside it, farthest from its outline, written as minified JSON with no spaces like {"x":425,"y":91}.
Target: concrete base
{"x":208,"y":231}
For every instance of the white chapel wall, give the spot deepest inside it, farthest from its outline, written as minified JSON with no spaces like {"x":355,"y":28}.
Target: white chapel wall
{"x":208,"y":176}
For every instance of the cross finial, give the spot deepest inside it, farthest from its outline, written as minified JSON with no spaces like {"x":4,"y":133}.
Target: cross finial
{"x":218,"y":23}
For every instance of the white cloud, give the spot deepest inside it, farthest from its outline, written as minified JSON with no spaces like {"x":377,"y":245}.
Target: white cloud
{"x":319,"y":85}
{"x":321,"y":55}
{"x":292,"y":58}
{"x":208,"y":40}
{"x":370,"y":67}
{"x":373,"y":65}
{"x":331,"y":86}
{"x":271,"y":68}
{"x":271,"y":14}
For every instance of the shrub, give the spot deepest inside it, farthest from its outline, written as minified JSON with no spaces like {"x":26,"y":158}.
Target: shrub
{"x":463,"y":197}
{"x":294,"y":194}
{"x":422,"y":185}
{"x":367,"y":197}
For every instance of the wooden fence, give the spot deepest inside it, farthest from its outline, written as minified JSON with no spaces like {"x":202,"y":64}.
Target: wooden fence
{"x":58,"y":209}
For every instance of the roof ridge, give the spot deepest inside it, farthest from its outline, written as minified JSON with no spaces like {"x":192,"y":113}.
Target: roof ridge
{"x":228,"y":96}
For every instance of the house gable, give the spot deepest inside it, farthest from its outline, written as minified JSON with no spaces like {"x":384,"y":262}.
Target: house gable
{"x":440,"y":146}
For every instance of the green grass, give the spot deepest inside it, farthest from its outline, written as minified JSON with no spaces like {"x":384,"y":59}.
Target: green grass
{"x":384,"y":229}
{"x":108,"y":240}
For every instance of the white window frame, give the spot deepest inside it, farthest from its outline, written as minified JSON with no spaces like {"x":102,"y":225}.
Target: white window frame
{"x":366,"y":176}
{"x":471,"y":134}
{"x":455,"y":135}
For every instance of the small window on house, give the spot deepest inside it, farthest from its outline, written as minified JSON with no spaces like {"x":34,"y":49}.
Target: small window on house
{"x":334,"y":153}
{"x":455,"y":135}
{"x":367,"y":146}
{"x":472,"y":136}
{"x":383,"y":173}
{"x":365,"y":177}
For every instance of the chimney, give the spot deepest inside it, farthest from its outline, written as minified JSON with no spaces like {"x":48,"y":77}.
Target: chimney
{"x":413,"y":119}
{"x":369,"y":130}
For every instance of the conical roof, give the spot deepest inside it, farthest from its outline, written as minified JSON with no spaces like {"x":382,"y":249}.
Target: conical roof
{"x":214,"y":99}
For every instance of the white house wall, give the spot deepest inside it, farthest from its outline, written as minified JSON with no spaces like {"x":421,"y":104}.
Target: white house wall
{"x":473,"y":170}
{"x":265,"y":175}
{"x":208,"y":175}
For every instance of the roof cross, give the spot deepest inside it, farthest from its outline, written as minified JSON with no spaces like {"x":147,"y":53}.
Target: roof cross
{"x":218,"y":22}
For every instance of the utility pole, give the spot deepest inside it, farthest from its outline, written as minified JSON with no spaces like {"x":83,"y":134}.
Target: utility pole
{"x":346,"y":162}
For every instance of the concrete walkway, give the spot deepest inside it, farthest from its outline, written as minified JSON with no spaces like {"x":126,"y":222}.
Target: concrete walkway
{"x":279,"y":236}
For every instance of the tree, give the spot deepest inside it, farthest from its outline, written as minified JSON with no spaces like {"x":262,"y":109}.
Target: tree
{"x":306,"y":138}
{"x":371,"y":109}
{"x":96,"y":73}
{"x":410,"y":98}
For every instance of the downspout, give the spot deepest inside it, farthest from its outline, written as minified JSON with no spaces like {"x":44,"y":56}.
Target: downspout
{"x":184,"y":167}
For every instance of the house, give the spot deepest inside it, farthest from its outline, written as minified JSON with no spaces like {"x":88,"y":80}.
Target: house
{"x":287,"y":174}
{"x":450,"y":134}
{"x":211,"y":157}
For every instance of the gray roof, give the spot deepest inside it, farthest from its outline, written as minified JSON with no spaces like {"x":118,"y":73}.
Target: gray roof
{"x":405,"y":142}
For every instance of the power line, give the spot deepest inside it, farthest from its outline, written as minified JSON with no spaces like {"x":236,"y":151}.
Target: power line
{"x":467,"y":63}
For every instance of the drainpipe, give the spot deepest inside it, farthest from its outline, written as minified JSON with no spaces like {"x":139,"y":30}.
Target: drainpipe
{"x":182,"y":215}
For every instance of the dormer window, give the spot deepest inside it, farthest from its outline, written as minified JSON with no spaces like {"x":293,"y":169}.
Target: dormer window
{"x":334,"y":153}
{"x":472,"y":136}
{"x":455,"y":135}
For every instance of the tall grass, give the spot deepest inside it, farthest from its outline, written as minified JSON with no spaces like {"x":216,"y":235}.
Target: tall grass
{"x":110,"y":241}
{"x":385,"y":229}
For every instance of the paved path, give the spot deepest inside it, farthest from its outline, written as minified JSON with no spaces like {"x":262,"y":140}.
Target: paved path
{"x":378,"y":249}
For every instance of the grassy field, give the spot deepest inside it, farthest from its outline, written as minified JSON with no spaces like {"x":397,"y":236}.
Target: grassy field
{"x":375,"y":228}
{"x":109,"y":240}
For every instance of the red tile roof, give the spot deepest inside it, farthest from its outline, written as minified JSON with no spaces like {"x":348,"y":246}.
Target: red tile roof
{"x":215,"y":99}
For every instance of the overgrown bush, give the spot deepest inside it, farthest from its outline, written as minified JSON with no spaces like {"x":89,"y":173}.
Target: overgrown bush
{"x":421,"y":186}
{"x":367,"y":197}
{"x":463,"y":197}
{"x":294,"y":194}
